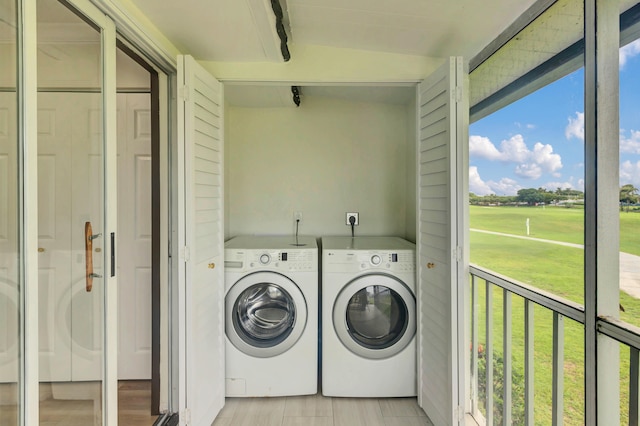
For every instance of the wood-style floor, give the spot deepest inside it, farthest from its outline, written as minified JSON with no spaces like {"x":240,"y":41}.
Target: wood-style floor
{"x":312,"y":410}
{"x":318,"y":410}
{"x":134,"y":402}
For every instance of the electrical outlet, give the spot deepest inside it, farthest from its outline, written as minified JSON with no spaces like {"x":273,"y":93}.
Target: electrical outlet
{"x":354,"y":215}
{"x":297,"y":216}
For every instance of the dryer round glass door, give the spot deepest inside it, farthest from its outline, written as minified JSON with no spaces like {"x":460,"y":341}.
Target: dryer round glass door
{"x":375,"y":316}
{"x":266,"y":313}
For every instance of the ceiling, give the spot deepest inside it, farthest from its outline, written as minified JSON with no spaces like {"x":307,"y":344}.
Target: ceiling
{"x":244,"y":31}
{"x":232,"y":30}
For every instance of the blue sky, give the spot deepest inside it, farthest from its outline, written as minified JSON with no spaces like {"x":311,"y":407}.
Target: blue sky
{"x":538,"y":141}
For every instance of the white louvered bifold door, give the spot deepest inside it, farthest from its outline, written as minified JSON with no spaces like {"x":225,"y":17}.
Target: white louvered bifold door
{"x":201,"y":294}
{"x":441,"y":241}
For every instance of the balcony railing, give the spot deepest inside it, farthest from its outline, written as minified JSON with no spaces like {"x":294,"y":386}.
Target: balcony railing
{"x":561,"y":309}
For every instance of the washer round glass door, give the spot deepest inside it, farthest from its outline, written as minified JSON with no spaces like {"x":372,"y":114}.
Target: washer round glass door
{"x":375,"y":316}
{"x":266,"y":314}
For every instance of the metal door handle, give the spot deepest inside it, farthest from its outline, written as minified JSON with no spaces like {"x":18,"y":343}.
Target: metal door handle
{"x":89,"y":236}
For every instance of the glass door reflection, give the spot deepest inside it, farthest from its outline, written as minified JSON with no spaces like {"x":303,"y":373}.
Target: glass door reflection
{"x":9,"y":222}
{"x":70,"y":196}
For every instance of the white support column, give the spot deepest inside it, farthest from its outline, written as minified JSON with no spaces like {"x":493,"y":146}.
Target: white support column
{"x":602,"y":246}
{"x":28,"y":210}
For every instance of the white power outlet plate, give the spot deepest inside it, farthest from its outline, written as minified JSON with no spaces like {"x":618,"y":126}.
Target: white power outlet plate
{"x":297,"y":216}
{"x":356,"y":216}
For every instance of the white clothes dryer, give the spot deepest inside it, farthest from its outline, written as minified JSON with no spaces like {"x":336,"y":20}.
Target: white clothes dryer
{"x":271,"y":314}
{"x":368,"y":317}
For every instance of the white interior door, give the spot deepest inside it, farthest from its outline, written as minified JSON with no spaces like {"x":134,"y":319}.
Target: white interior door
{"x":69,"y":194}
{"x":134,"y":228}
{"x":442,"y":245}
{"x":55,"y":120}
{"x":87,"y":204}
{"x":200,"y":162}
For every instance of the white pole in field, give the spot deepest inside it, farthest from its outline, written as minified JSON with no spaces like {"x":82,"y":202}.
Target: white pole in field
{"x":527,"y":226}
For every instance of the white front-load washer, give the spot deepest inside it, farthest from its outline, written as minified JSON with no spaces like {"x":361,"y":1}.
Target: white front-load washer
{"x":368,"y":317}
{"x":271,"y":314}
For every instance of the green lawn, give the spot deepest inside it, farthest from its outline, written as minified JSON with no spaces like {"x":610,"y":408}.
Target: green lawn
{"x":554,"y":268}
{"x":551,"y":223}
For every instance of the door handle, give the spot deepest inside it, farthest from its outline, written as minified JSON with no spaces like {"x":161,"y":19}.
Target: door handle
{"x":89,"y":236}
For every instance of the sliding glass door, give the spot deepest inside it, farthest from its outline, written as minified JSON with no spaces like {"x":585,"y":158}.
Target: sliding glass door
{"x":9,"y":217}
{"x":58,"y":192}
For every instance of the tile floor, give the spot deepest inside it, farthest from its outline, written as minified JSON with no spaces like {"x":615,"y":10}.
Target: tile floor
{"x":318,"y":410}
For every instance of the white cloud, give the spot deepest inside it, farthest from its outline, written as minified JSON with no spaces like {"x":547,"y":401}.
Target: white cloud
{"x":530,"y":163}
{"x":482,"y":147}
{"x":529,"y":171}
{"x":575,"y":128}
{"x":628,"y":51}
{"x":630,"y":173}
{"x":543,"y":155}
{"x":476,"y":184}
{"x":527,"y":126}
{"x":505,"y":186}
{"x":514,"y":149}
{"x":630,"y":145}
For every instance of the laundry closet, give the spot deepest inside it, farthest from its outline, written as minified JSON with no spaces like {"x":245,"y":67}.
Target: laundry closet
{"x":349,"y":148}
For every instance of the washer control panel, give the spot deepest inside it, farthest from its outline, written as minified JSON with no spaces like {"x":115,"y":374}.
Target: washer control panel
{"x":277,"y":260}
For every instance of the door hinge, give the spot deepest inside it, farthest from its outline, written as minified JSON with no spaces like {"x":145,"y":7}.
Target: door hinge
{"x":184,"y":93}
{"x":457,"y":95}
{"x":457,"y":254}
{"x":185,"y":253}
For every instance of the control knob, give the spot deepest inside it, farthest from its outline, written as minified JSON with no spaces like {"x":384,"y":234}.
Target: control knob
{"x":265,"y":259}
{"x":375,"y":259}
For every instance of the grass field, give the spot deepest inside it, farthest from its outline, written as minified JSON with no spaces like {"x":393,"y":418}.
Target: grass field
{"x":551,"y":223}
{"x":554,"y":268}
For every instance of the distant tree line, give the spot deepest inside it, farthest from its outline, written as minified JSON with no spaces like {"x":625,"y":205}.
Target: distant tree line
{"x":531,"y":196}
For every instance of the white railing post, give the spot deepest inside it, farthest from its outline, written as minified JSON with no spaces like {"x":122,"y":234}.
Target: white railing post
{"x":558,"y":369}
{"x":528,"y":362}
{"x":474,"y":345}
{"x":506,"y":357}
{"x":634,"y":370}
{"x":488,"y":352}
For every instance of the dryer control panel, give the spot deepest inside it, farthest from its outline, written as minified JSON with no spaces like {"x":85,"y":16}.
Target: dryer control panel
{"x":299,"y":260}
{"x":361,"y":260}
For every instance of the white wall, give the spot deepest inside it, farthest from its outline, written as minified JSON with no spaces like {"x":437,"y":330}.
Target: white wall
{"x":411,"y":176}
{"x":324,"y":158}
